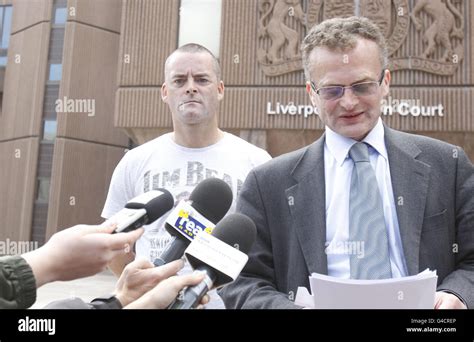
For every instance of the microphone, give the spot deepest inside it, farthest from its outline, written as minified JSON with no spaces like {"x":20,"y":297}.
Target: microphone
{"x":208,"y":203}
{"x":141,"y":210}
{"x":221,"y":256}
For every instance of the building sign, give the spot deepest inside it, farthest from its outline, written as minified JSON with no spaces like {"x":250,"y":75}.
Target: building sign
{"x":389,"y":107}
{"x":410,"y":107}
{"x":290,"y":109}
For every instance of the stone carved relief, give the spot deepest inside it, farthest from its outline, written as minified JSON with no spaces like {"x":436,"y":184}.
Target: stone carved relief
{"x":284,"y":41}
{"x":338,"y":8}
{"x":380,"y":11}
{"x":439,"y":33}
{"x":441,"y":29}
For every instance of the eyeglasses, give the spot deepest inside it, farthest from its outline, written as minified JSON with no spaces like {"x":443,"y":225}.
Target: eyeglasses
{"x":358,"y":89}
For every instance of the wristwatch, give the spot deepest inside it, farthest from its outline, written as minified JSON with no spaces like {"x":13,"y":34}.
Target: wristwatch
{"x":106,"y":303}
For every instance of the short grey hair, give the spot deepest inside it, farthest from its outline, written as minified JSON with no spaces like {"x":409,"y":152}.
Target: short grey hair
{"x":341,"y":34}
{"x":196,"y":48}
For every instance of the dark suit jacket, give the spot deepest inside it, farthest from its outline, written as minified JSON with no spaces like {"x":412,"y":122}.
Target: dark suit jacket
{"x":433,"y":185}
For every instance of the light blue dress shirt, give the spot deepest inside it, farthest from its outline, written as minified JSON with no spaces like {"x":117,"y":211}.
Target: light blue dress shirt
{"x":338,"y":171}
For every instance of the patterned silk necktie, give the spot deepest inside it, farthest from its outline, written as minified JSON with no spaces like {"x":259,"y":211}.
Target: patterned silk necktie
{"x":366,"y":220}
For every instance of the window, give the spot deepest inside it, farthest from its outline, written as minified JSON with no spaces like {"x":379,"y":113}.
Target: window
{"x":5,"y":28}
{"x":55,"y":71}
{"x":60,"y":16}
{"x":5,"y":25}
{"x":200,"y":22}
{"x":42,"y":194}
{"x":49,"y":130}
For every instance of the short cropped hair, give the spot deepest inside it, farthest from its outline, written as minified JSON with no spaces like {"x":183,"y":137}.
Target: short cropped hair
{"x":341,"y":34}
{"x":196,"y":48}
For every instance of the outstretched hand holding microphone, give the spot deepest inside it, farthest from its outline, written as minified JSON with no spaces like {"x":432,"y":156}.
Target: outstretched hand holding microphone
{"x":79,"y":251}
{"x":143,"y":286}
{"x":84,"y":250}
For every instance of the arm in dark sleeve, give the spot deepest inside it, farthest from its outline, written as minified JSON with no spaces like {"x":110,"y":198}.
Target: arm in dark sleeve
{"x":255,"y":287}
{"x":461,"y":281}
{"x":17,"y":283}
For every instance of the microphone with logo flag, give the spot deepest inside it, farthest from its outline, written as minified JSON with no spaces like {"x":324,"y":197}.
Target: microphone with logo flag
{"x":221,"y":256}
{"x":207,"y":205}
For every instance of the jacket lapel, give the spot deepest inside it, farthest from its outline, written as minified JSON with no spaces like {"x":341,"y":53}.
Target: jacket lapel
{"x":307,"y":200}
{"x":410,"y":178}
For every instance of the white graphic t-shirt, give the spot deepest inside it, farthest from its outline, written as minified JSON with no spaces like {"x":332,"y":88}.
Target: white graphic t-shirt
{"x":161,"y":163}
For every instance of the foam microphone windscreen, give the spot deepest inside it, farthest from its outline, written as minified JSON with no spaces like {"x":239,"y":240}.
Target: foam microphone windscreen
{"x":212,"y":198}
{"x":156,"y":207}
{"x":236,"y":230}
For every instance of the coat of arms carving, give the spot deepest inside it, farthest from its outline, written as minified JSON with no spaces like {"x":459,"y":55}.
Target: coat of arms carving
{"x":437,"y":26}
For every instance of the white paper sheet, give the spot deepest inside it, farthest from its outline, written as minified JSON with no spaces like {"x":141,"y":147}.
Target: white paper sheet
{"x":413,"y":292}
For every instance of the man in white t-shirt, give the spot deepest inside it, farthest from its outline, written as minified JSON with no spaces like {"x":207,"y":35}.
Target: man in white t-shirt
{"x":197,"y":149}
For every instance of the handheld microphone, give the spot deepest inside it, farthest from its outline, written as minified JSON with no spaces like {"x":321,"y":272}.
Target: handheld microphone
{"x":209,"y":202}
{"x":141,"y":210}
{"x":221,"y":256}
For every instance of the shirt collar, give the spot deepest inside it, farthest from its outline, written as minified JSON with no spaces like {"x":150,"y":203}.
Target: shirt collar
{"x":376,"y":139}
{"x":339,"y":146}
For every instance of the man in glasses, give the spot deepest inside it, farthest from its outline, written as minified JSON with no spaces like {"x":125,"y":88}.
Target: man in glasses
{"x":363,"y":201}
